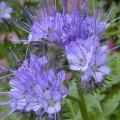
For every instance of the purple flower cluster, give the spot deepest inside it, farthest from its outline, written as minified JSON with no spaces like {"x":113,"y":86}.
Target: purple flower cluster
{"x":85,"y":52}
{"x":33,"y":88}
{"x":49,"y":25}
{"x":62,"y":28}
{"x":78,"y":34}
{"x":50,"y":28}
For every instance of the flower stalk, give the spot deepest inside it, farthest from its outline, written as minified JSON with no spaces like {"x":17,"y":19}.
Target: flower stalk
{"x":81,"y":103}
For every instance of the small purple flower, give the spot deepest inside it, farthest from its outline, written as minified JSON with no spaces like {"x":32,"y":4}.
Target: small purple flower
{"x":97,"y":66}
{"x":79,"y":53}
{"x":52,"y":91}
{"x":88,"y":57}
{"x":51,"y":101}
{"x":5,"y":11}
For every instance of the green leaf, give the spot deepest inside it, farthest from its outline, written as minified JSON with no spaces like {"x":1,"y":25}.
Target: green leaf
{"x":93,"y":101}
{"x":111,"y":102}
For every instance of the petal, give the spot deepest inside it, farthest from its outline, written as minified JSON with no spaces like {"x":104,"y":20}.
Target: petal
{"x":54,"y":109}
{"x":38,"y":62}
{"x":37,"y":31}
{"x":85,"y":78}
{"x":31,"y":98}
{"x":104,"y":69}
{"x":52,"y":94}
{"x":74,"y":67}
{"x":21,"y":104}
{"x":91,"y":41}
{"x":98,"y":59}
{"x":59,"y":79}
{"x":3,"y":5}
{"x":30,"y":37}
{"x":89,"y":72}
{"x":63,"y":91}
{"x":56,"y":95}
{"x":41,"y":79}
{"x":32,"y":103}
{"x":43,"y":60}
{"x":25,"y":63}
{"x":38,"y":90}
{"x":101,"y":59}
{"x":73,"y":59}
{"x":54,"y":37}
{"x":72,"y":48}
{"x":47,"y":94}
{"x":16,"y":94}
{"x":98,"y":76}
{"x":103,"y":49}
{"x":7,"y":16}
{"x":8,"y":10}
{"x":61,"y":75}
{"x":50,"y":75}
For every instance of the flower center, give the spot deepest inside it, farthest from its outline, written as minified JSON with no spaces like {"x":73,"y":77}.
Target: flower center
{"x":2,"y":11}
{"x":95,"y":68}
{"x":51,"y":102}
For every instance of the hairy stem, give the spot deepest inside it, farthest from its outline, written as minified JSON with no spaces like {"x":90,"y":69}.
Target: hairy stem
{"x":81,"y":104}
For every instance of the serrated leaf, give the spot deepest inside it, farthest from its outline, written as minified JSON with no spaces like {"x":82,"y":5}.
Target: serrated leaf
{"x":93,"y":101}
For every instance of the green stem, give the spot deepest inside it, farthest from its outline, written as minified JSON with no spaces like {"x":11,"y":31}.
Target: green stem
{"x":72,"y":98}
{"x":82,"y":105}
{"x":83,"y":108}
{"x":99,"y":106}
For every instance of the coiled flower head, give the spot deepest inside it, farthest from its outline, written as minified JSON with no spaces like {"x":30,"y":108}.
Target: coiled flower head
{"x":35,"y":87}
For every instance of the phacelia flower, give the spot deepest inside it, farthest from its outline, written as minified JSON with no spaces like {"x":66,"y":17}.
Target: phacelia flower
{"x":79,"y":53}
{"x":33,"y":88}
{"x":50,"y":28}
{"x":61,"y":28}
{"x":5,"y":11}
{"x":52,"y":92}
{"x":89,"y":57}
{"x":97,"y":66}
